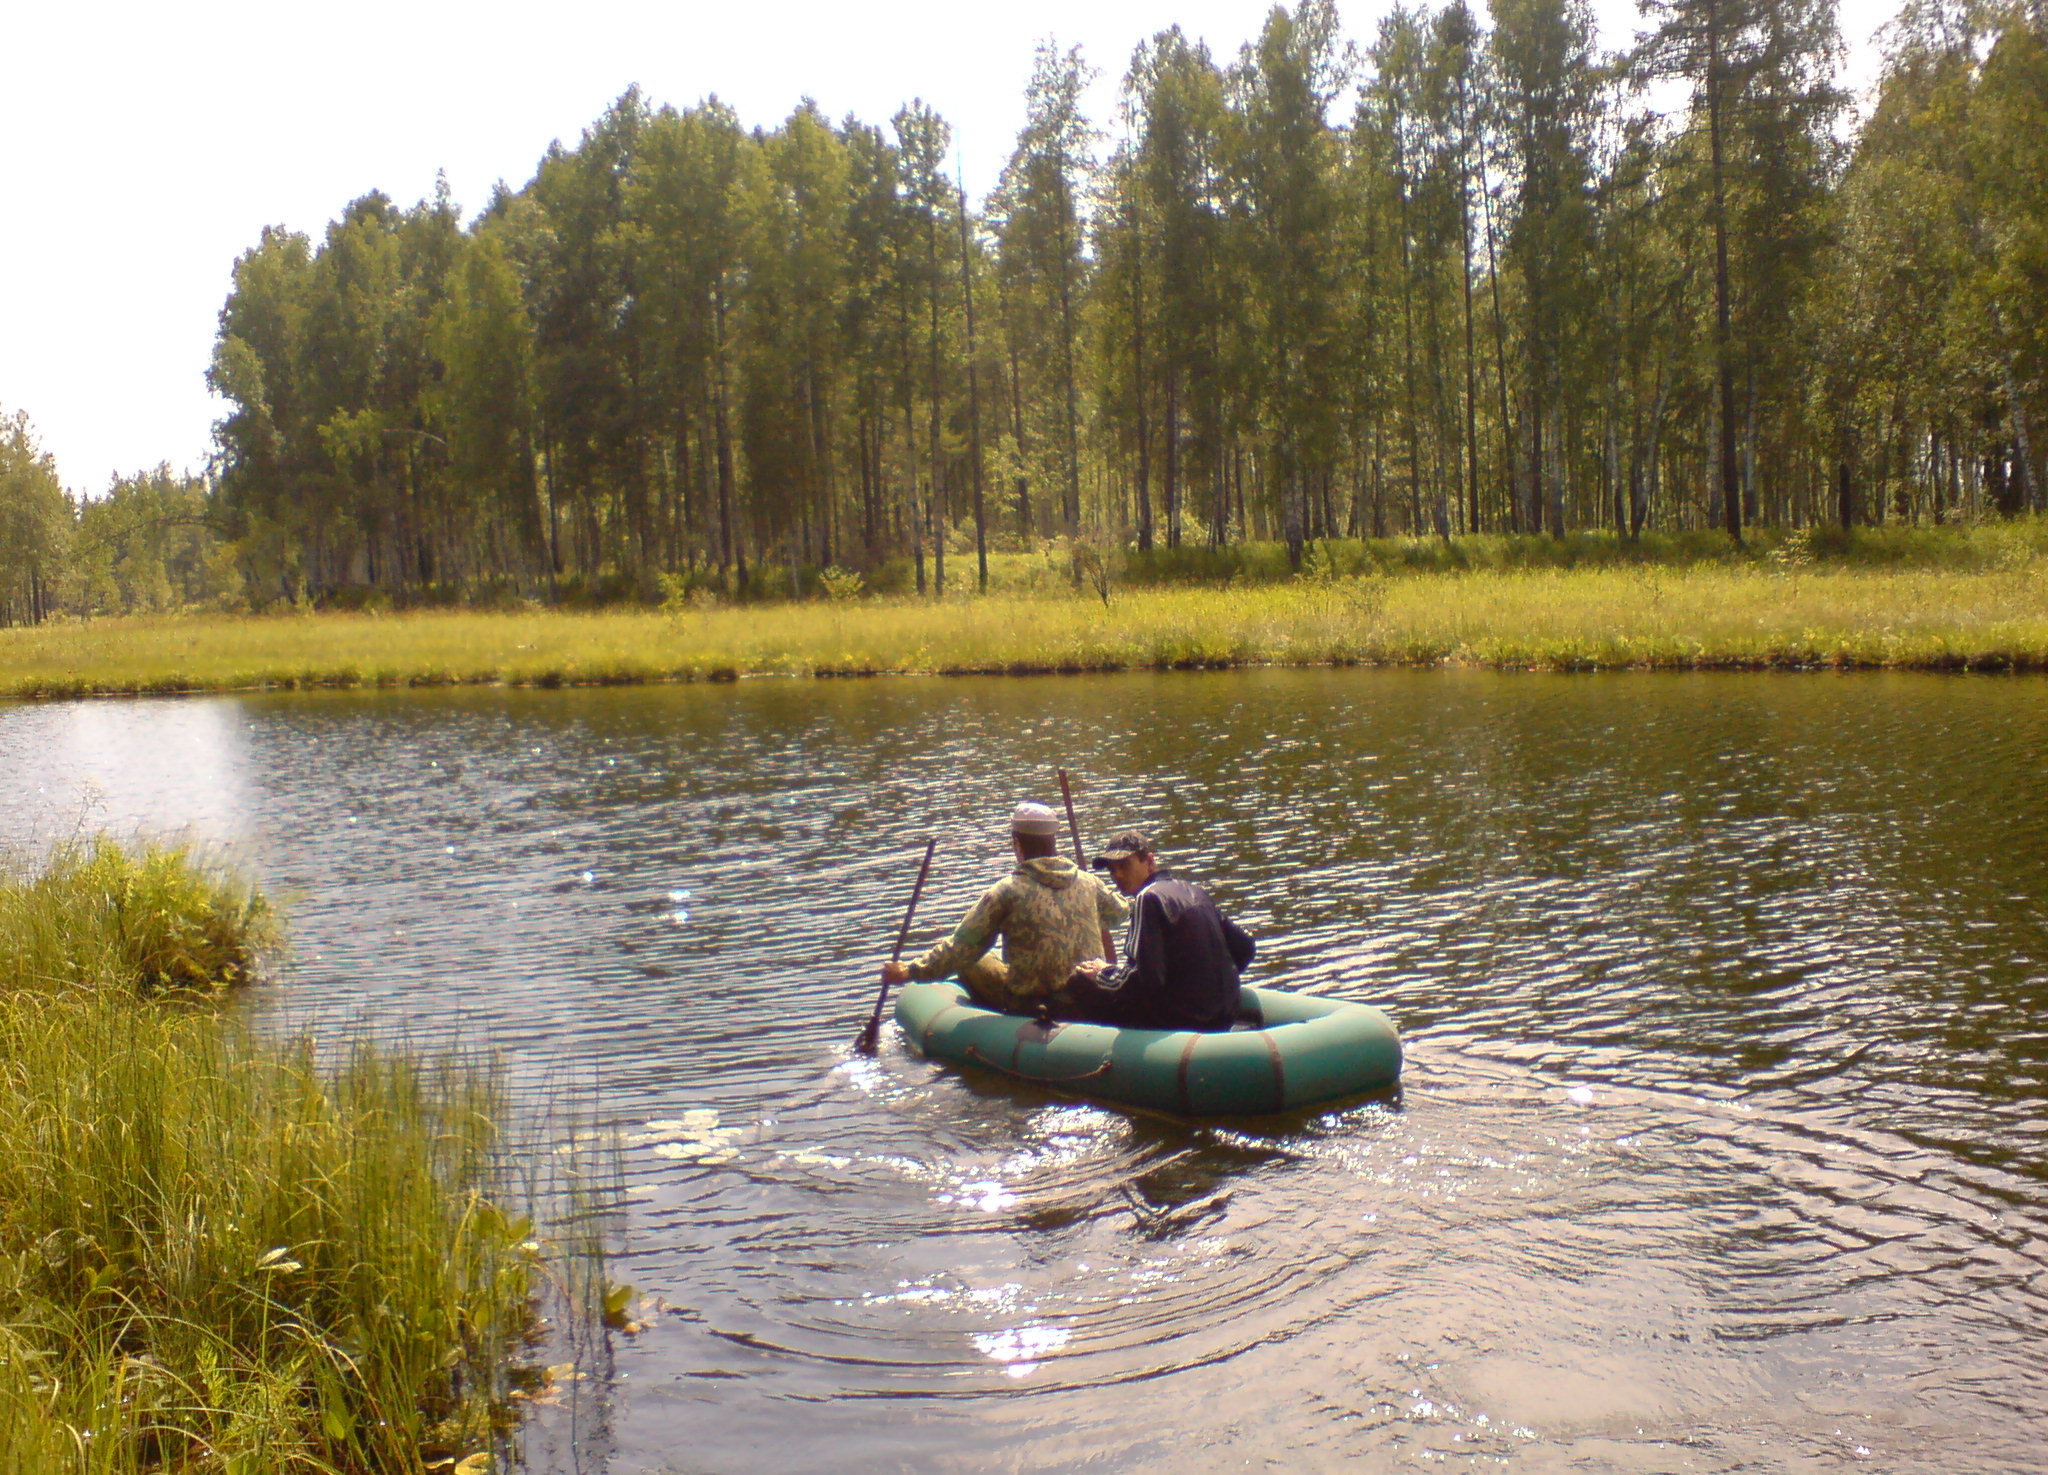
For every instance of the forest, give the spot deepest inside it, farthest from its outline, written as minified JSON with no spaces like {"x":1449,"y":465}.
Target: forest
{"x":1474,"y":275}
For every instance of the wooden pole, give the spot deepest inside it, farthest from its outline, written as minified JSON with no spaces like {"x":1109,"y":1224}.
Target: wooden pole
{"x":864,"y":1043}
{"x":1080,"y":859}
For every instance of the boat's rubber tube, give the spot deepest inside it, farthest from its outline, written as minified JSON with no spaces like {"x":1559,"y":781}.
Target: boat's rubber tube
{"x":1309,"y":1051}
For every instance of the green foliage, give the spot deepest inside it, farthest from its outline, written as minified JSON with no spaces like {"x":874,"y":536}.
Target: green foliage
{"x":1522,"y":288}
{"x":145,"y":914}
{"x":1933,"y":368}
{"x":1043,"y":282}
{"x":1794,"y":554}
{"x":35,"y":526}
{"x":841,"y":584}
{"x":224,"y":1251}
{"x":151,"y":543}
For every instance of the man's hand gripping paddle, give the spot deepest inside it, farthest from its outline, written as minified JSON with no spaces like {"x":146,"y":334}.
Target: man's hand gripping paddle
{"x":871,"y":1032}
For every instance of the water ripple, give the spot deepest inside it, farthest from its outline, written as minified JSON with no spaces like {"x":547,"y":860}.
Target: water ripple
{"x":1720,"y":1131}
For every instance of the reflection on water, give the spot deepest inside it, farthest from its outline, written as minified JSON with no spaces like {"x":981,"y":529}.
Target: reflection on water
{"x":118,"y":765}
{"x":1720,"y":1146}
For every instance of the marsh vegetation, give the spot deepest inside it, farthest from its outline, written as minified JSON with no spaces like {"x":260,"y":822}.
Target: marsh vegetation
{"x":222,"y":1249}
{"x":1957,"y":599}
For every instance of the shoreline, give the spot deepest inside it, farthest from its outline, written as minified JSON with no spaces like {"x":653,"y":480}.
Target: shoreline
{"x":1578,"y":621}
{"x":2030,"y":663}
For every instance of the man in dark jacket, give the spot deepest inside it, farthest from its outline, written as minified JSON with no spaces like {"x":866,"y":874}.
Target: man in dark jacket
{"x":1182,"y":956}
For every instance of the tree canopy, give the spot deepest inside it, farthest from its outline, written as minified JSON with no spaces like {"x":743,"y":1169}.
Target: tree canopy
{"x":1477,"y":276}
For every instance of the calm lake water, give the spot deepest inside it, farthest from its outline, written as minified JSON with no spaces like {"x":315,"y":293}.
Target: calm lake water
{"x":1722,"y":1144}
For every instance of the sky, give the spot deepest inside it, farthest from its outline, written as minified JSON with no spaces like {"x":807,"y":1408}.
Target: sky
{"x":146,"y":147}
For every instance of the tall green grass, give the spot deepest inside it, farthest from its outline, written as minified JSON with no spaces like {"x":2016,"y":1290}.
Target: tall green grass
{"x":225,"y":1251}
{"x":1796,"y":611}
{"x":99,"y":913}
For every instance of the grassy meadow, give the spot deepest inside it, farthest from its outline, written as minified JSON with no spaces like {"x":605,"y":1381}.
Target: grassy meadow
{"x":221,"y":1250}
{"x":1972,"y":598}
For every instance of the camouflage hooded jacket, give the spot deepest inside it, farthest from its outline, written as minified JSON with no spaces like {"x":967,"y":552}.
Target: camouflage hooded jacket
{"x":1049,"y":916}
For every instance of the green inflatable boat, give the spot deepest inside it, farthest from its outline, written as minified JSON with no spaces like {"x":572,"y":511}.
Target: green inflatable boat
{"x":1307,"y":1051}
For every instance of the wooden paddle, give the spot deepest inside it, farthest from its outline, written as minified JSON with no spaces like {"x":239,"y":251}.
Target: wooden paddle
{"x":871,"y":1033}
{"x":1081,"y":859}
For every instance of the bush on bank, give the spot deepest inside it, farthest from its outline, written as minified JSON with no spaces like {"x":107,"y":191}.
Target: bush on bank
{"x":145,"y":917}
{"x":221,"y":1251}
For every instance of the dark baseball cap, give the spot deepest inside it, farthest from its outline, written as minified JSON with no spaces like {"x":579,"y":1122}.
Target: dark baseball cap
{"x":1124,"y":844}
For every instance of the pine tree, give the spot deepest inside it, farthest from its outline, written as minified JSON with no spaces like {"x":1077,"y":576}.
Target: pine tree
{"x":1285,"y":84}
{"x":1543,"y":55}
{"x":1176,"y":96}
{"x":1040,"y":234}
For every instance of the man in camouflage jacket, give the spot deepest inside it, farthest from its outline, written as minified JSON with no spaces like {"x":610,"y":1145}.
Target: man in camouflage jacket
{"x":1049,"y":914}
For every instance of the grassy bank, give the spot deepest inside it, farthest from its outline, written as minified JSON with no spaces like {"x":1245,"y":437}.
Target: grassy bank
{"x":1749,"y":614}
{"x":217,"y":1251}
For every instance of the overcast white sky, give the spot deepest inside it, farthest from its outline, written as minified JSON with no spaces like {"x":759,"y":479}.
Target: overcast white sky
{"x":146,"y":146}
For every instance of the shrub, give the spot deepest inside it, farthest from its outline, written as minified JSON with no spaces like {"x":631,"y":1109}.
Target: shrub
{"x":840,"y":584}
{"x":149,"y":919}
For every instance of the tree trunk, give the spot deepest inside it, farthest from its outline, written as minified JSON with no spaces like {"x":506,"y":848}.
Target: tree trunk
{"x":821,"y":458}
{"x":1612,"y":466}
{"x":862,"y":428}
{"x":1379,"y":484}
{"x":1649,"y":457}
{"x":1731,"y":474}
{"x":1471,"y":376}
{"x":1073,"y":395}
{"x":722,"y":420}
{"x":1291,"y":514}
{"x":1171,"y":436}
{"x":915,"y":511}
{"x":2023,"y":443}
{"x":1024,"y":528}
{"x":1138,"y":386}
{"x":938,"y":483}
{"x":973,"y":403}
{"x":1408,"y":359}
{"x":1509,"y":498}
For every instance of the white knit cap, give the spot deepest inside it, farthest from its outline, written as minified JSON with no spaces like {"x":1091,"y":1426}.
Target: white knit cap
{"x":1033,"y":819}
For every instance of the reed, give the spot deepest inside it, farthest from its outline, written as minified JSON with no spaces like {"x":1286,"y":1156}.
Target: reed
{"x":225,"y":1251}
{"x":1761,"y":613}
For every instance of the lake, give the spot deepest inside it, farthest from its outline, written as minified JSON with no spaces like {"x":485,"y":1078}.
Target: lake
{"x":1721,"y":1146}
